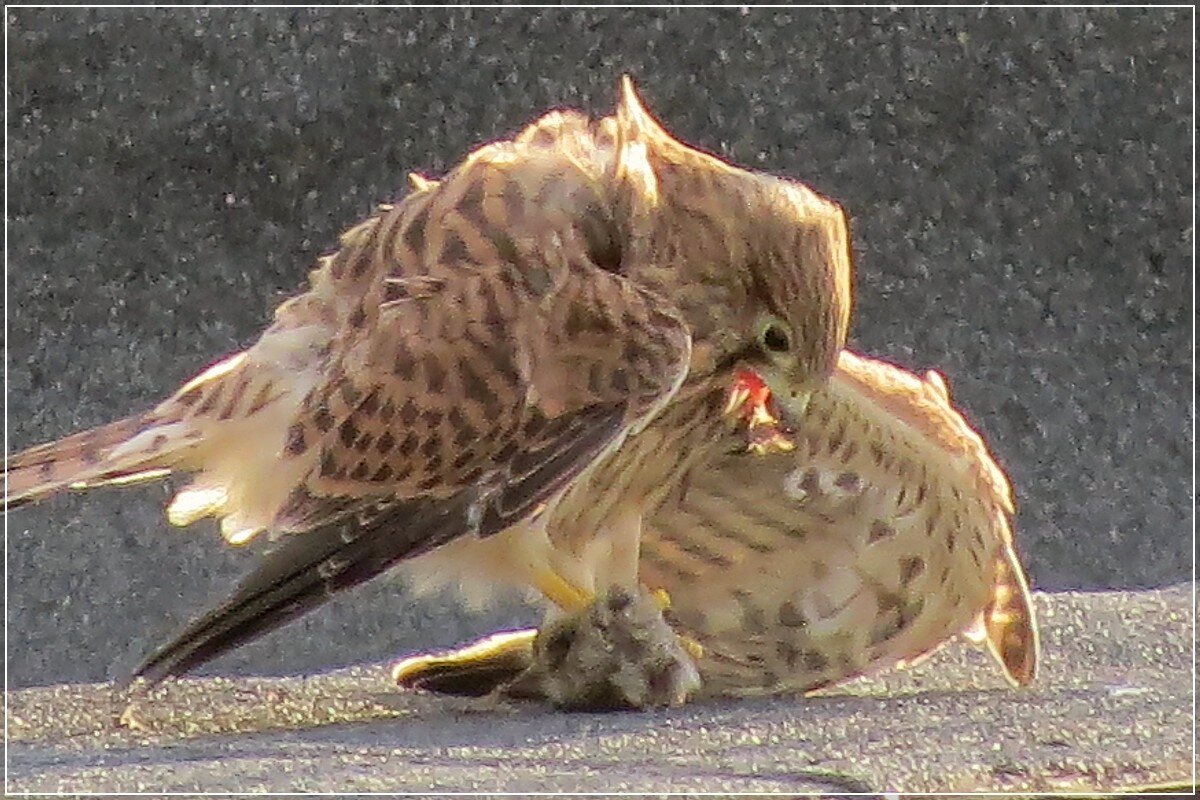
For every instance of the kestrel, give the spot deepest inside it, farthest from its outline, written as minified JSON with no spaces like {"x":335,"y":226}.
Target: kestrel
{"x":499,"y":374}
{"x":886,"y":531}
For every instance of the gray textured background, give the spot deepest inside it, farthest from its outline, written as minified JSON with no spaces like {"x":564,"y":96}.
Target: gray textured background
{"x":1019,"y":182}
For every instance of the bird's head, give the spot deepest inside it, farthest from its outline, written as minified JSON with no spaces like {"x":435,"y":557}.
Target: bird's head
{"x":800,"y":291}
{"x":759,"y":266}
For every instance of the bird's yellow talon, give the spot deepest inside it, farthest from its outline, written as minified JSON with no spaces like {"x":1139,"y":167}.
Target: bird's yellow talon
{"x":662,"y":598}
{"x":693,"y":648}
{"x":561,"y":592}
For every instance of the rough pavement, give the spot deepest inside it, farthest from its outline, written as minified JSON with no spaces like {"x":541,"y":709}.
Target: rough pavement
{"x":1111,"y":710}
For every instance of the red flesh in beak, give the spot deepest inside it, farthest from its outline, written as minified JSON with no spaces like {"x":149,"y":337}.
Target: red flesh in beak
{"x":750,"y":402}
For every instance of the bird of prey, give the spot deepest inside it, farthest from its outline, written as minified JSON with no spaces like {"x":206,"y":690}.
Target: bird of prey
{"x":498,"y":374}
{"x":884,"y":532}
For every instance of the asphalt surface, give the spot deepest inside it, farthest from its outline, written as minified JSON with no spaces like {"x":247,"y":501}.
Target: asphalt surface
{"x":1018,"y":181}
{"x":1111,"y":710}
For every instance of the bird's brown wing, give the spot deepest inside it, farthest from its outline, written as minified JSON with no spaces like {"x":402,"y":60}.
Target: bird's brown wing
{"x":448,"y":421}
{"x":884,"y":533}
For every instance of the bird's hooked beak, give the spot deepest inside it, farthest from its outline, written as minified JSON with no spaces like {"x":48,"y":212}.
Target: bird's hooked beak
{"x":752,"y":403}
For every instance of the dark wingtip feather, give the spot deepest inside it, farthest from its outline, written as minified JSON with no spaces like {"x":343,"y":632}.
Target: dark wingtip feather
{"x":304,"y":571}
{"x":307,"y":568}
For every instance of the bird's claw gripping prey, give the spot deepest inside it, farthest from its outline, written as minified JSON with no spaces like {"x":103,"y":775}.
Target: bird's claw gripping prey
{"x":617,"y":652}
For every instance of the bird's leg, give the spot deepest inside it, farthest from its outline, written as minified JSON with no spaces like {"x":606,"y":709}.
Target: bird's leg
{"x":483,"y":666}
{"x":624,"y":555}
{"x":619,"y":652}
{"x":560,"y":591}
{"x":612,"y":650}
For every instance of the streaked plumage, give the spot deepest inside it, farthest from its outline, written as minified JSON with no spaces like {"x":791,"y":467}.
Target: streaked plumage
{"x":884,"y":533}
{"x":501,"y":372}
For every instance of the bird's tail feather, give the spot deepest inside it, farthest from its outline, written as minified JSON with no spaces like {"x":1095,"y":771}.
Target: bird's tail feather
{"x":1009,"y":621}
{"x":89,"y":458}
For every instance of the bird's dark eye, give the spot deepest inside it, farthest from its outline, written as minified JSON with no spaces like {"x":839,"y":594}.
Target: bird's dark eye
{"x":775,"y":338}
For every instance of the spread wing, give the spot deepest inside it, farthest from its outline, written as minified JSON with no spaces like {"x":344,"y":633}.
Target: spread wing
{"x":477,"y":391}
{"x":883,"y":534}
